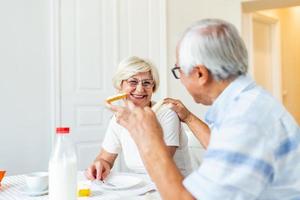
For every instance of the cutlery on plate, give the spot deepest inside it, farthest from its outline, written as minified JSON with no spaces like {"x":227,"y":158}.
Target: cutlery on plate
{"x":109,"y":184}
{"x":102,"y":182}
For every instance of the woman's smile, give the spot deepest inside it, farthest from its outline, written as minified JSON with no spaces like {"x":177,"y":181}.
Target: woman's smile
{"x":138,"y":96}
{"x":139,"y":88}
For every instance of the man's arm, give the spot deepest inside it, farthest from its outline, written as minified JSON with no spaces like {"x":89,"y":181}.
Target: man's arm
{"x":163,"y":170}
{"x":199,"y":129}
{"x":147,"y":133}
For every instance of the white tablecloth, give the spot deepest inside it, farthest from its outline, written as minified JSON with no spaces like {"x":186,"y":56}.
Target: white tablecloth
{"x":12,"y":186}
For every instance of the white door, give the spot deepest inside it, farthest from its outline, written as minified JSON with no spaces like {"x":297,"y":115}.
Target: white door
{"x":93,"y":36}
{"x":262,"y":53}
{"x":262,"y":34}
{"x":266,"y":48}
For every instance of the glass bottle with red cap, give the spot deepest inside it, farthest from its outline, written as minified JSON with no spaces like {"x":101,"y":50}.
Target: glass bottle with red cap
{"x":63,"y":167}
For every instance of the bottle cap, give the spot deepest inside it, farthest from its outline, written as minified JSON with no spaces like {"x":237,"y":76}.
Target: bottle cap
{"x":62,"y":130}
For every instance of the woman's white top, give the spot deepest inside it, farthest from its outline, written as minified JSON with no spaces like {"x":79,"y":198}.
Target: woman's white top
{"x":117,"y":139}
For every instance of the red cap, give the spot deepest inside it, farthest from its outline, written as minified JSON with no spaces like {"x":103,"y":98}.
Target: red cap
{"x":62,"y":130}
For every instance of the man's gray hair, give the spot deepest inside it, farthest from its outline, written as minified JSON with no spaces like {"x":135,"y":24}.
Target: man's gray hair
{"x":217,"y":45}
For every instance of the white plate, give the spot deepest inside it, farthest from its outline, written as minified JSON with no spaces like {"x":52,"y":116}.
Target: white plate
{"x":25,"y":190}
{"x":120,"y":181}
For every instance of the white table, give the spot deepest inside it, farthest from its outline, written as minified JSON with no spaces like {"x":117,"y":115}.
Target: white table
{"x":11,"y":189}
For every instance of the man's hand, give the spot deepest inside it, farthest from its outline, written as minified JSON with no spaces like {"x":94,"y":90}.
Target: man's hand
{"x":145,"y":130}
{"x":183,"y":113}
{"x":98,"y":170}
{"x":199,"y":128}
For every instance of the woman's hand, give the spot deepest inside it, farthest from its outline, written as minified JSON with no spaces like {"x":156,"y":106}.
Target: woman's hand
{"x":98,"y":170}
{"x":183,"y":113}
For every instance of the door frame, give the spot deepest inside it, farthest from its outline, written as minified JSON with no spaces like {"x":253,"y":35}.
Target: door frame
{"x":247,"y":30}
{"x":55,"y":67}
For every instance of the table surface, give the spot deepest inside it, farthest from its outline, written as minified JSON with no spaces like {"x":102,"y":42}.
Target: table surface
{"x":12,"y":186}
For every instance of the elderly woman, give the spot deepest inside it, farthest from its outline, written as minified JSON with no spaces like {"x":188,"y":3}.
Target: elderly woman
{"x":139,"y":79}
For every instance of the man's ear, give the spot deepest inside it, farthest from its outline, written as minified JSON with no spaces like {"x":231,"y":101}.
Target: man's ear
{"x":203,"y":74}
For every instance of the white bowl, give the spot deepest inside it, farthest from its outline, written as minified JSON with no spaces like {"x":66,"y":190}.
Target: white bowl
{"x":37,"y":181}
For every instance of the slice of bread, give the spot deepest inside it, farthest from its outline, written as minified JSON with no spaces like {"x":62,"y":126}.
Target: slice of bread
{"x":116,"y":97}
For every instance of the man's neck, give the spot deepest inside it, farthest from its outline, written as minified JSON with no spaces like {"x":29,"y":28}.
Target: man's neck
{"x":217,"y":87}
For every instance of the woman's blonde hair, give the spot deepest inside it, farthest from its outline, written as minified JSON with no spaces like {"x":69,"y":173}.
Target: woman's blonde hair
{"x":131,"y":66}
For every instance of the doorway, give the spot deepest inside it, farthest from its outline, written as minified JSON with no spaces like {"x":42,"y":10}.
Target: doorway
{"x":271,"y":30}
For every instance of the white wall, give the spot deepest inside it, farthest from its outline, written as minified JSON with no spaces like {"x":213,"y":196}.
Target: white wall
{"x":24,"y":85}
{"x":25,"y":57}
{"x":180,"y":15}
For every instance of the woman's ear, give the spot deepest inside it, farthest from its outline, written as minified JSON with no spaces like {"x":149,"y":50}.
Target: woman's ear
{"x":203,"y":74}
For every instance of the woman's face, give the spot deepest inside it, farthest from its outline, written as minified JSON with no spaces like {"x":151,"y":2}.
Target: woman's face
{"x":139,"y":88}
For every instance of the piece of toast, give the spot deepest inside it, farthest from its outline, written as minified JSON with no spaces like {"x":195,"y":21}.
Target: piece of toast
{"x":116,"y":97}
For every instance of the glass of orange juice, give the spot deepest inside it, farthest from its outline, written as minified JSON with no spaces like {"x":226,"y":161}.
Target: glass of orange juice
{"x":2,"y":173}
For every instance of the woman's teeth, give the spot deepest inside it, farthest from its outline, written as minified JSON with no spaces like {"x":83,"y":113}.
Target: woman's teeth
{"x":138,"y":96}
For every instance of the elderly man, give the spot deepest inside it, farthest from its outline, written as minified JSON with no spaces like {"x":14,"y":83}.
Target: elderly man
{"x":253,"y":151}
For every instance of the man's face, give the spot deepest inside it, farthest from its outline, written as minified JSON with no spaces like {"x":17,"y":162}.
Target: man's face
{"x":194,"y":83}
{"x":190,"y":83}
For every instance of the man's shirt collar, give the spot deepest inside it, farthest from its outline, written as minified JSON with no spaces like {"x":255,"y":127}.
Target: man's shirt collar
{"x":217,"y":111}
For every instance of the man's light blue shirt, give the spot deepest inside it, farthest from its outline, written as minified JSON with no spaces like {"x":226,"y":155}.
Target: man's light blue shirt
{"x":254,"y":150}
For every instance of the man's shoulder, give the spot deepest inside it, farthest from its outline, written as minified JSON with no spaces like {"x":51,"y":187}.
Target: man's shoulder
{"x":256,"y":104}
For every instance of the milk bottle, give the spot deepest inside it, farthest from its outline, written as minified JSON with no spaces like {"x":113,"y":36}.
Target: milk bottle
{"x":63,"y":168}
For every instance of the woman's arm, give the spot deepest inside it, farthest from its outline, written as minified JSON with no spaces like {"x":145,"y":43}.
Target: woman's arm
{"x":171,"y":150}
{"x":101,"y":166}
{"x":108,"y":157}
{"x":196,"y":125}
